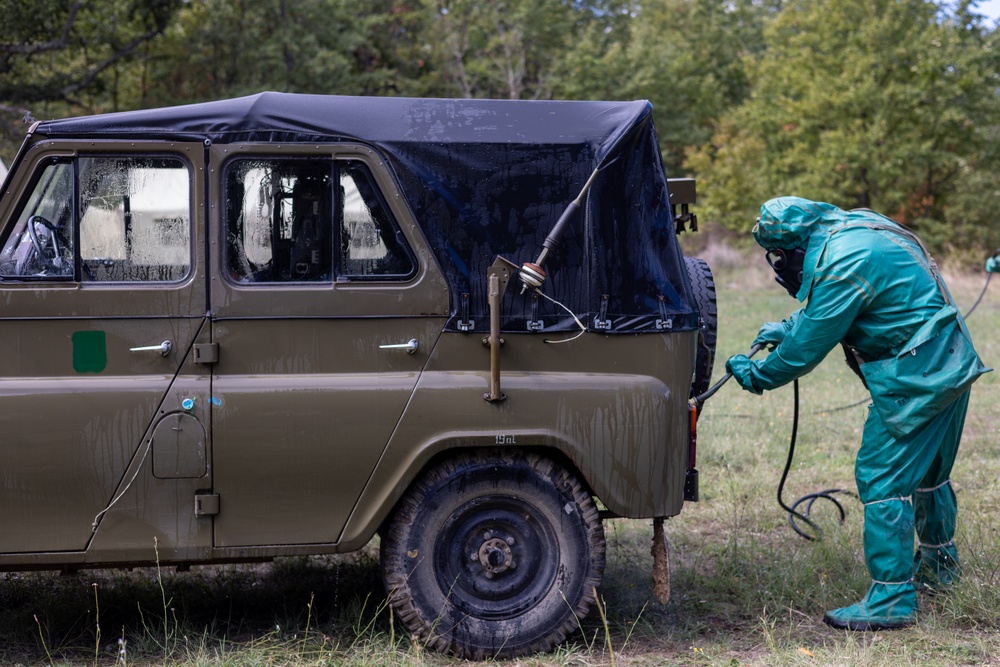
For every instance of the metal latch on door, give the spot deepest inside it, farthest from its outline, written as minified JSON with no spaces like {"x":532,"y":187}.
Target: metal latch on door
{"x":206,"y":353}
{"x":206,"y":504}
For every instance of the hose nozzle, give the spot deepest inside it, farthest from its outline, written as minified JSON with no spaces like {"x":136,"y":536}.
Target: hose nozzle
{"x":700,"y":399}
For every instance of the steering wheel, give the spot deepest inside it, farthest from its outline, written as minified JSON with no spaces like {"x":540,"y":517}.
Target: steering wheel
{"x":37,"y":242}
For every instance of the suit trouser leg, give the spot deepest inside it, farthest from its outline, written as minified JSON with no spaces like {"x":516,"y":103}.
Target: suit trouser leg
{"x":888,"y":471}
{"x":936,"y":509}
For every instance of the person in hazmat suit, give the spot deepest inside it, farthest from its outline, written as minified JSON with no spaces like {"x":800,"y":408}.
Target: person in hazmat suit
{"x":870,"y":285}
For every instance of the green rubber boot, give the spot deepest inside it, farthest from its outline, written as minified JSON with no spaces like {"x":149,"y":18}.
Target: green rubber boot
{"x":891,"y":602}
{"x":936,"y":568}
{"x":885,"y":607}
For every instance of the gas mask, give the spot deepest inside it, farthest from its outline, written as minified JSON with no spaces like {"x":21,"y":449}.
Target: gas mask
{"x":787,"y":265}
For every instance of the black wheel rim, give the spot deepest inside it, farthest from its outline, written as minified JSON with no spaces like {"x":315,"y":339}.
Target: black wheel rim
{"x":496,"y":558}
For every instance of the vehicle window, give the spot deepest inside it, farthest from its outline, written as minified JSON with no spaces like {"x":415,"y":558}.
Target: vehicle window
{"x":282,"y":215}
{"x":41,"y":242}
{"x":135,"y":219}
{"x":371,"y":245}
{"x":279,"y":220}
{"x":134,"y":222}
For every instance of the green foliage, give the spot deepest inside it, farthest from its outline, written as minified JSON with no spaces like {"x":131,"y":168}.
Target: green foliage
{"x":237,"y":47}
{"x":464,"y":48}
{"x":687,"y":57}
{"x":522,"y":49}
{"x":884,"y":104}
{"x":60,"y":57}
{"x":58,"y":50}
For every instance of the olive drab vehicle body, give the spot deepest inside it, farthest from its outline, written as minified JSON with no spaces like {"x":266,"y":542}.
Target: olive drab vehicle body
{"x":283,"y":324}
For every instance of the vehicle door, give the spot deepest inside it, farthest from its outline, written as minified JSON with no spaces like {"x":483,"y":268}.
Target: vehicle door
{"x":103,"y":299}
{"x":326,"y":303}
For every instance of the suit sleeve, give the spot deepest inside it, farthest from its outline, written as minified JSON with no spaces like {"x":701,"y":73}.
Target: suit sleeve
{"x":841,"y":289}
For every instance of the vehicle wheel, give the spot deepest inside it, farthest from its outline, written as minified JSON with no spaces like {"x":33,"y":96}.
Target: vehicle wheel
{"x":703,"y":286}
{"x":493,"y":554}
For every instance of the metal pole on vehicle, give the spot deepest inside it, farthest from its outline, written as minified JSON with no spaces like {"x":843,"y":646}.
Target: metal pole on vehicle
{"x":497,"y":277}
{"x":494,"y":339}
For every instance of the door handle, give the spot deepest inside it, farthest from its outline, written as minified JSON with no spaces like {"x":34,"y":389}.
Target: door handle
{"x":410,"y":346}
{"x":163,"y":348}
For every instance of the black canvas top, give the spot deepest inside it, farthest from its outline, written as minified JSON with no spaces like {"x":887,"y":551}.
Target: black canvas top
{"x":486,"y":178}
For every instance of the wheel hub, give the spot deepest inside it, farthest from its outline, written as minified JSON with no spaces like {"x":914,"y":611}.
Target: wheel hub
{"x":495,"y":555}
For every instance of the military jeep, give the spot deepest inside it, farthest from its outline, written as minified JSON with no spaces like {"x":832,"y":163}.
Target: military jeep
{"x":285,"y":324}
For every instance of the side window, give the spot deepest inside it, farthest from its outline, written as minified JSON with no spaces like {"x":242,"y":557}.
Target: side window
{"x":308,"y":219}
{"x":371,"y":245}
{"x":41,"y":242}
{"x":279,"y":220}
{"x":133,"y":222}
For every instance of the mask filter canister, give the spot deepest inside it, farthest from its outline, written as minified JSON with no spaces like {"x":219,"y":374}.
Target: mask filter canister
{"x":787,"y":265}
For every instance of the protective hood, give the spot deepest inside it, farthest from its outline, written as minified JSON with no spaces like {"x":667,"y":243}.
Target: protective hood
{"x":793,"y":222}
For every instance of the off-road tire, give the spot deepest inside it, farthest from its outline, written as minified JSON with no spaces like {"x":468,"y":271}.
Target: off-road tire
{"x":493,"y":554}
{"x":703,"y":287}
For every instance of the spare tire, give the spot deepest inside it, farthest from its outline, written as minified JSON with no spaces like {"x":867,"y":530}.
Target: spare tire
{"x":703,"y":288}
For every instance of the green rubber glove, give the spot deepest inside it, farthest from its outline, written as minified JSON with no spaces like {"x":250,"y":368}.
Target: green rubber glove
{"x":739,"y":365}
{"x":770,"y":335}
{"x":993,"y":264}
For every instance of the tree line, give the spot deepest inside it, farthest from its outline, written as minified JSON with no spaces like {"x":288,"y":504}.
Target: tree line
{"x":888,"y":104}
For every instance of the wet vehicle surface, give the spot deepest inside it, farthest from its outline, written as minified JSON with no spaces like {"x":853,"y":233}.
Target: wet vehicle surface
{"x":283,"y":324}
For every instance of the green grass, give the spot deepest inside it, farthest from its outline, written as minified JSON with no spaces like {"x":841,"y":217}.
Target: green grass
{"x":745,"y":589}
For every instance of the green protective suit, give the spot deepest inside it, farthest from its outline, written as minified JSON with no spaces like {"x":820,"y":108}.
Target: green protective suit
{"x":869,"y":285}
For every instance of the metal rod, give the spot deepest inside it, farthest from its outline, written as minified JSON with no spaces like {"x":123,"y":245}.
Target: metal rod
{"x":700,"y":399}
{"x":493,"y":284}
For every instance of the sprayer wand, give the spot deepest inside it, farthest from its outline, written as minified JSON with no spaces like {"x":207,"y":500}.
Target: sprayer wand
{"x":700,"y":399}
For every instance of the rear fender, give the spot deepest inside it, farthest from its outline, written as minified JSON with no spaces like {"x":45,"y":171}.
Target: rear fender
{"x":615,"y":430}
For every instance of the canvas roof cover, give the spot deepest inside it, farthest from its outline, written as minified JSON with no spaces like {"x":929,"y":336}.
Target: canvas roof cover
{"x":486,"y":178}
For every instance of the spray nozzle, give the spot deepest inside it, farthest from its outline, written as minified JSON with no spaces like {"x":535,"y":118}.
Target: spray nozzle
{"x":700,"y":399}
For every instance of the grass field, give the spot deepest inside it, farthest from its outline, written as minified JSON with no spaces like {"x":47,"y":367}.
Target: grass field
{"x":746,"y":589}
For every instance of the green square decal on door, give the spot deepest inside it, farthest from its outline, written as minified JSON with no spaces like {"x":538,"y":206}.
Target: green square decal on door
{"x":90,"y":351}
